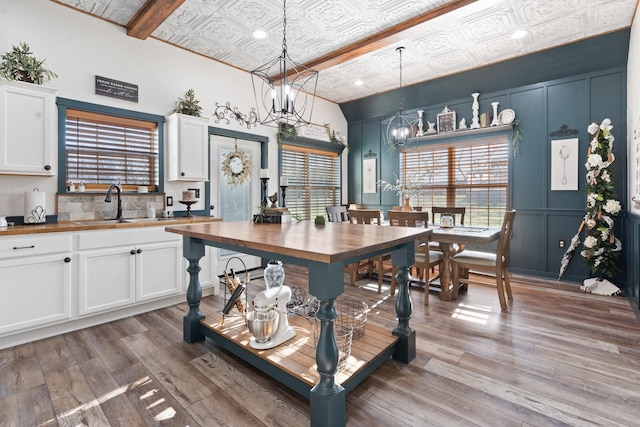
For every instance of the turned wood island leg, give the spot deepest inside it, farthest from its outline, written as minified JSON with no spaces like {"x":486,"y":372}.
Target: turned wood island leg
{"x":193,"y":250}
{"x":406,"y":347}
{"x":327,"y":397}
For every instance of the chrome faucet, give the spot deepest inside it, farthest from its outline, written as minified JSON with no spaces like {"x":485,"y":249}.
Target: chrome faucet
{"x":108,"y":199}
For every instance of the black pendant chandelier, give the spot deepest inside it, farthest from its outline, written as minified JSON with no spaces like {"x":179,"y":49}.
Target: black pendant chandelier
{"x":284,"y":90}
{"x":399,"y":127}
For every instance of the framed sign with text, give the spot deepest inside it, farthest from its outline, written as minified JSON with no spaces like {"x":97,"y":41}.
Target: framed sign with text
{"x":313,"y":131}
{"x":116,"y":89}
{"x":446,"y":120}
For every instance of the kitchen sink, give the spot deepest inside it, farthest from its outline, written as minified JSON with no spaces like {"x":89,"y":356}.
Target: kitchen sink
{"x":98,"y":222}
{"x":122,"y":221}
{"x":145,"y":219}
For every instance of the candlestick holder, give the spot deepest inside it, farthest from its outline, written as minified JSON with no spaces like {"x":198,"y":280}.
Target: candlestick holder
{"x":264,"y":191}
{"x":283,"y":189}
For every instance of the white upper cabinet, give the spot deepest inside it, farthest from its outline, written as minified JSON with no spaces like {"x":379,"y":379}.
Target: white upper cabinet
{"x":27,"y":128}
{"x":187,"y":148}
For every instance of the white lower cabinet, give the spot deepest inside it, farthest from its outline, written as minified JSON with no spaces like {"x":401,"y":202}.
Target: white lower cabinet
{"x":57,"y":282}
{"x":157,"y":273}
{"x":106,"y":279}
{"x":35,"y":281}
{"x":111,"y":277}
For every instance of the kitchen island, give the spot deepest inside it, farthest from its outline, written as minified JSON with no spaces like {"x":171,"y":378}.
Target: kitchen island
{"x":324,"y":250}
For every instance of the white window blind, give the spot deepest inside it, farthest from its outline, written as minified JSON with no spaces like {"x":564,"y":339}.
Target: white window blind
{"x":472,"y":175}
{"x":103,"y":149}
{"x":313,"y":178}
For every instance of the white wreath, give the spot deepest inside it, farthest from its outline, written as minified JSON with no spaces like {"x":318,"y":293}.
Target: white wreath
{"x":234,"y":179}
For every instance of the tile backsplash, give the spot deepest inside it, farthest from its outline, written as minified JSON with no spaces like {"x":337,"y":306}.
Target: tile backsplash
{"x":91,"y":206}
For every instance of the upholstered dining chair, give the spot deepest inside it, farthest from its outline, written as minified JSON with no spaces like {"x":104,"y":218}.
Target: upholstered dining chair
{"x":425,"y":259}
{"x":381,"y":263}
{"x":496,"y":263}
{"x":337,"y":213}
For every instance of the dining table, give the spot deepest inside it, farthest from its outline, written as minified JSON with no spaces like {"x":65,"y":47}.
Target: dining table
{"x":325,"y":250}
{"x":447,"y":237}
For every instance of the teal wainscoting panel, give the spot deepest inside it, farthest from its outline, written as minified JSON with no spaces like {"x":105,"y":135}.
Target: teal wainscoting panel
{"x":563,"y":226}
{"x":566,"y":106}
{"x":606,"y":91}
{"x":631,"y":251}
{"x":371,"y":141}
{"x":354,"y":188}
{"x":528,"y":168}
{"x":527,"y":252}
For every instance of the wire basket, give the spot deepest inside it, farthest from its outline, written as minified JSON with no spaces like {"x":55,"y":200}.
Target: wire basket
{"x":353,"y":313}
{"x":344,"y":337}
{"x":302,"y":303}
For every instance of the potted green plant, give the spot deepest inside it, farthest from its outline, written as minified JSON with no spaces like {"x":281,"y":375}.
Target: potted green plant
{"x":188,"y":105}
{"x":20,"y":64}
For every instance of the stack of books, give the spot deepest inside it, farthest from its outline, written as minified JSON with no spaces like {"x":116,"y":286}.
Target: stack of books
{"x":273,"y":216}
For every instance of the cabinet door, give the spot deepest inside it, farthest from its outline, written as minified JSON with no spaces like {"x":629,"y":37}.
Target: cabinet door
{"x":34,"y":291}
{"x":106,"y":279}
{"x":188,"y":148}
{"x":157,"y":270}
{"x":27,"y":129}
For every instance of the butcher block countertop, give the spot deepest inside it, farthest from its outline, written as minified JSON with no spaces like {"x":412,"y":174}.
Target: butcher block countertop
{"x":101,"y":225}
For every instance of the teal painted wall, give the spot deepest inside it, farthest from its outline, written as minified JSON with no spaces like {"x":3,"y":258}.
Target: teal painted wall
{"x":542,"y":106}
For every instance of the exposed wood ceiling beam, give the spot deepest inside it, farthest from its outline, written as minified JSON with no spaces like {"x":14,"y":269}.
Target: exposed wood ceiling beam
{"x":379,"y":40}
{"x":384,"y":38}
{"x":150,"y":16}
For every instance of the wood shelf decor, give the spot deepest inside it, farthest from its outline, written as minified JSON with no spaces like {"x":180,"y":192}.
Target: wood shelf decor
{"x":465,"y":133}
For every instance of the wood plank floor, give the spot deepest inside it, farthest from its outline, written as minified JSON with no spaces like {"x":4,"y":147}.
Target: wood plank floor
{"x":557,"y":357}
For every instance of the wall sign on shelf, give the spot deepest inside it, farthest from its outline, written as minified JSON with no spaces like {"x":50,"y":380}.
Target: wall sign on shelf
{"x":315,"y":132}
{"x":116,"y":89}
{"x":446,"y":120}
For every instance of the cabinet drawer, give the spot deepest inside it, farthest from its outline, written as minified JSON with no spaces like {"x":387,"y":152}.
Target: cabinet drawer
{"x":34,"y":244}
{"x":131,"y":236}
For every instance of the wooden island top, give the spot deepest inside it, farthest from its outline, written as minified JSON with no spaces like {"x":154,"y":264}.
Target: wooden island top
{"x":329,"y":243}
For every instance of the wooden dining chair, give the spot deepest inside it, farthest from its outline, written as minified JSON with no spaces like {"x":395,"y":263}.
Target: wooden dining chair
{"x":380,"y":264}
{"x":496,"y":263}
{"x":337,"y":213}
{"x":458,"y":219}
{"x":425,"y":259}
{"x":457,"y":213}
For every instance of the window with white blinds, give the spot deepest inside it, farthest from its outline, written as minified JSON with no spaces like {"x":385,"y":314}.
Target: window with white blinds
{"x":313,"y":178}
{"x":471,"y":175}
{"x":104,"y":149}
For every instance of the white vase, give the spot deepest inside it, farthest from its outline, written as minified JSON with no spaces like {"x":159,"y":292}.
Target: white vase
{"x":420,"y":131}
{"x":495,"y":121}
{"x":475,"y":123}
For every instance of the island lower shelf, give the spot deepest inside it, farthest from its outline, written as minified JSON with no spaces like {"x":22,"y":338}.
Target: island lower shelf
{"x":293,"y":363}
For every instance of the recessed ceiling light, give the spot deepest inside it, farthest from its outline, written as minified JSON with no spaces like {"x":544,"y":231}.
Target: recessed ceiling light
{"x":259,"y":34}
{"x":519,"y":34}
{"x":358,"y":83}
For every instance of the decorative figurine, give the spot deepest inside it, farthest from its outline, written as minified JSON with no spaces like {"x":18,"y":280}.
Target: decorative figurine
{"x":431,"y":129}
{"x":462,"y":124}
{"x":274,"y":199}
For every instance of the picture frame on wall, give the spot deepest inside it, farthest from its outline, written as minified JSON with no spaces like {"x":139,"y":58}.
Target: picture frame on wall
{"x":564,"y":164}
{"x":369,"y":175}
{"x":446,"y":120}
